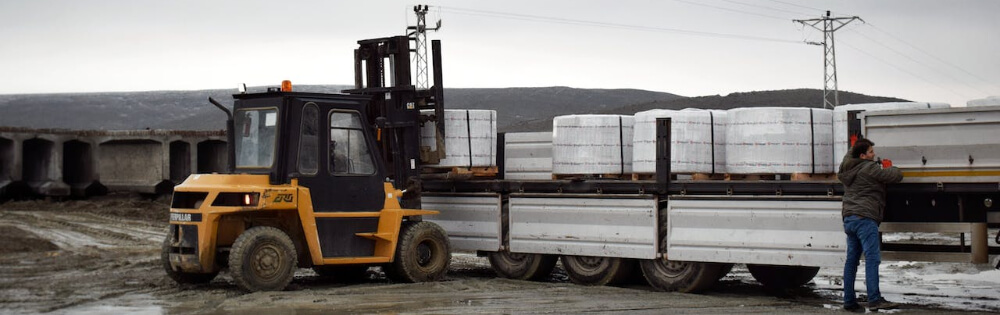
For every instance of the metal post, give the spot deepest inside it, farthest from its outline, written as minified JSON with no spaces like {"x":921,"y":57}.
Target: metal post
{"x":980,"y":243}
{"x":663,"y":154}
{"x":830,"y":25}
{"x":418,"y":34}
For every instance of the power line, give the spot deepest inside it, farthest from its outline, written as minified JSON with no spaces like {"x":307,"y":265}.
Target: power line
{"x":536,"y":18}
{"x":797,"y":5}
{"x":903,"y":70}
{"x":917,"y":61}
{"x":730,"y":10}
{"x":766,"y":7}
{"x":935,"y":57}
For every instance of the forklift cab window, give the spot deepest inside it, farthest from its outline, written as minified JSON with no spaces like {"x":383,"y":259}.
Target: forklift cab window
{"x":349,"y":152}
{"x":256,"y":129}
{"x":309,"y":140}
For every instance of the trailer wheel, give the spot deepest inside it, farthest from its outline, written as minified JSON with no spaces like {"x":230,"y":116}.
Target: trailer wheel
{"x":589,"y":270}
{"x":179,"y":276}
{"x":682,"y":276}
{"x":782,"y":277}
{"x":263,"y":258}
{"x":342,"y":273}
{"x":520,"y":266}
{"x":422,"y":254}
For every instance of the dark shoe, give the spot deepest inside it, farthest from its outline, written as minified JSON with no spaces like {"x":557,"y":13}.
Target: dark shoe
{"x":882,"y":304}
{"x":854,"y":308}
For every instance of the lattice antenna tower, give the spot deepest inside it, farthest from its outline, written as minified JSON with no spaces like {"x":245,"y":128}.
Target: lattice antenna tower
{"x":418,"y":34}
{"x":830,"y":25}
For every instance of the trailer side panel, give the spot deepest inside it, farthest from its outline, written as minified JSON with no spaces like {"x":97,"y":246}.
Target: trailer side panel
{"x":762,"y":230}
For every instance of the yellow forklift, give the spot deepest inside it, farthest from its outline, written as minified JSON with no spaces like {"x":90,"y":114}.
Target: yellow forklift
{"x":316,"y":180}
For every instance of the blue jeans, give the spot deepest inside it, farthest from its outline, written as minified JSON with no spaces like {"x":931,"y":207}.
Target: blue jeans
{"x":862,"y":235}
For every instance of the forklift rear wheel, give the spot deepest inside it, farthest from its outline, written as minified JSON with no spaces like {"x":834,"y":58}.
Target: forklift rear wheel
{"x":520,"y":266}
{"x":178,"y":276}
{"x":588,"y":270}
{"x":682,"y":276}
{"x":422,"y":254}
{"x":782,"y":277}
{"x":343,"y":273}
{"x":263,"y":258}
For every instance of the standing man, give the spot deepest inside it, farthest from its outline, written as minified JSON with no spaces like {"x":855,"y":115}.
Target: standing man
{"x":864,"y":203}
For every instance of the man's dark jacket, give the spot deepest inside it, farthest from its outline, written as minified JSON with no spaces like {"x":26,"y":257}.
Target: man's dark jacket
{"x":864,"y":186}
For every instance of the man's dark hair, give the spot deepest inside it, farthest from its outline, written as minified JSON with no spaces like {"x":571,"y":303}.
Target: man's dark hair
{"x":861,"y":147}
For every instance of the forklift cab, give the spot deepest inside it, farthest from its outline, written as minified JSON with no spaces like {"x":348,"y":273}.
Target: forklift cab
{"x":322,"y":140}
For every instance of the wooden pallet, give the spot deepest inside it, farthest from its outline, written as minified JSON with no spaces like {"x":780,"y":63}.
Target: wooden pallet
{"x":813,"y":177}
{"x":681,"y":176}
{"x":781,"y":177}
{"x":589,"y":176}
{"x":463,"y":172}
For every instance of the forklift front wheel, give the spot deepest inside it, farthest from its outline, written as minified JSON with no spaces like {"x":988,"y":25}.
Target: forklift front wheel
{"x":422,"y":254}
{"x":263,"y":259}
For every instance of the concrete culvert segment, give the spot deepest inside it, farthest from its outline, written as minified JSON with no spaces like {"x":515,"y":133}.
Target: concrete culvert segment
{"x":36,"y":160}
{"x":132,"y":165}
{"x":6,"y":165}
{"x":211,"y":156}
{"x":180,"y":161}
{"x":78,"y":166}
{"x":6,"y":159}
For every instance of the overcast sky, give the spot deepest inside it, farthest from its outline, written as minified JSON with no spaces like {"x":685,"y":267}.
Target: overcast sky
{"x":922,"y":50}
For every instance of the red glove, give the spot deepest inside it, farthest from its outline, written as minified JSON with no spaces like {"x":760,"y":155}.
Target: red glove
{"x":886,"y":163}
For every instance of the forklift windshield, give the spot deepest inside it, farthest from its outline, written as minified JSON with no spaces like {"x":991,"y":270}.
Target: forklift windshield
{"x":256,"y":129}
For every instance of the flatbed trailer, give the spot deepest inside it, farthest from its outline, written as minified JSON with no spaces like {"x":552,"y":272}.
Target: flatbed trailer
{"x":685,"y":234}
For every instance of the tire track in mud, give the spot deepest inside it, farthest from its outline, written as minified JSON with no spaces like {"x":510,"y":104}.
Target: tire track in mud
{"x":99,"y":257}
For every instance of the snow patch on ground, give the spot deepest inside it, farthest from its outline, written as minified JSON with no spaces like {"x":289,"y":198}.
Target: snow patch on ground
{"x":959,"y":286}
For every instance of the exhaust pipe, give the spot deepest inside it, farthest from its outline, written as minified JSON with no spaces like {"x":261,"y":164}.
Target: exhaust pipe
{"x":230,"y":136}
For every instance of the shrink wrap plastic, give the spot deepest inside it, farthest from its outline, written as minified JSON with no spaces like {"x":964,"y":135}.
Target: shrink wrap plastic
{"x":777,"y":140}
{"x":988,"y":101}
{"x":592,"y":144}
{"x":697,"y":144}
{"x":470,"y":137}
{"x":841,"y":139}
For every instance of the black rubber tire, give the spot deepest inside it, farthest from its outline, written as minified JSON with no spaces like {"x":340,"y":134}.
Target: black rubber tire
{"x":263,"y":258}
{"x":342,"y":273}
{"x":178,"y":276}
{"x":782,"y":277}
{"x":423,"y":253}
{"x":681,"y":276}
{"x":588,"y":270}
{"x":534,"y":267}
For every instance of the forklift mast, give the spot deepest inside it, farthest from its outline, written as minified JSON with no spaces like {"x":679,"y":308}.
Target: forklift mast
{"x":382,"y":70}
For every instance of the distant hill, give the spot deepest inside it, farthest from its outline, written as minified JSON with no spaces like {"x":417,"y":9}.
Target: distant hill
{"x":779,"y":98}
{"x":190,"y":110}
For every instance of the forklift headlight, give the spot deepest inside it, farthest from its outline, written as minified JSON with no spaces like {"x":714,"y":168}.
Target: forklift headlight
{"x":237,"y":200}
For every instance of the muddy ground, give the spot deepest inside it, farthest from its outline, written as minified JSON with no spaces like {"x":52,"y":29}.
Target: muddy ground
{"x":101,"y":256}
